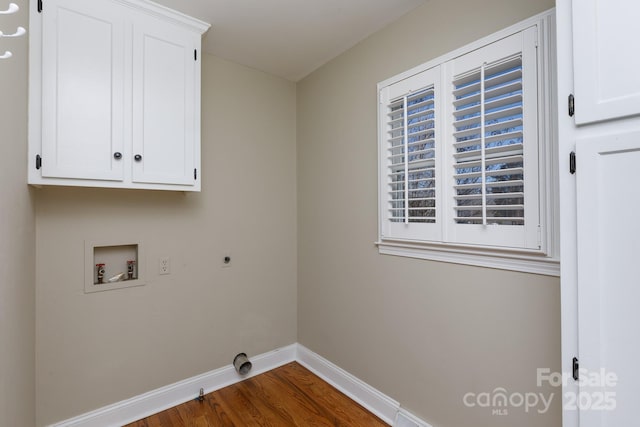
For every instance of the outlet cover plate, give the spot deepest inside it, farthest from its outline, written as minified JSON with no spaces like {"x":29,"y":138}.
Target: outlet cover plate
{"x":164,"y":266}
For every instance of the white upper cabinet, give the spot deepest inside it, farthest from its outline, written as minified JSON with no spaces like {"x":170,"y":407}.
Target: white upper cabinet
{"x":82,"y":97}
{"x":164,"y":100}
{"x":606,"y":40}
{"x":114,"y":95}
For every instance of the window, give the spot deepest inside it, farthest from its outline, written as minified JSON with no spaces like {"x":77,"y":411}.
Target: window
{"x":465,"y":155}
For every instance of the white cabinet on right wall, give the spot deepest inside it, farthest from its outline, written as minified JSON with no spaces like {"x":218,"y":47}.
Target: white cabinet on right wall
{"x":599,"y":149}
{"x":608,"y":246}
{"x":606,"y":60}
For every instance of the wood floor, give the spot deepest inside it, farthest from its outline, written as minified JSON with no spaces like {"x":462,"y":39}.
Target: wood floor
{"x":286,"y":396}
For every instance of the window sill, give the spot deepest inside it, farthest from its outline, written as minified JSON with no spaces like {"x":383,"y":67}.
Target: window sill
{"x":502,"y":260}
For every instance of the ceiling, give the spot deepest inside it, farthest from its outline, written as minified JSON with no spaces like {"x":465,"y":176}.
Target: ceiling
{"x":289,"y":38}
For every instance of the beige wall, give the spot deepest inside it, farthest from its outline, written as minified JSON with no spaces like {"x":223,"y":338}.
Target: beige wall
{"x":97,"y":349}
{"x":425,"y":333}
{"x":17,"y":240}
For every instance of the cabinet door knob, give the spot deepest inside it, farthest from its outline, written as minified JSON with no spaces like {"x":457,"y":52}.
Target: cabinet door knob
{"x":117,"y":155}
{"x":137,"y":157}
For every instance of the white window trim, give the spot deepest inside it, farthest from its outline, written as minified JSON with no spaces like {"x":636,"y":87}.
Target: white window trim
{"x":544,"y":261}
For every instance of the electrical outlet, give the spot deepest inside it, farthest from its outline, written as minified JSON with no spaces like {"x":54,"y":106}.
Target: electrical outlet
{"x":164,"y":266}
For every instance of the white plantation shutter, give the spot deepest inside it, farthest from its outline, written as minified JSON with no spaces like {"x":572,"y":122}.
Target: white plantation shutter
{"x":493,"y":145}
{"x":459,"y":151}
{"x":488,"y":156}
{"x":412,"y":158}
{"x":409,"y":185}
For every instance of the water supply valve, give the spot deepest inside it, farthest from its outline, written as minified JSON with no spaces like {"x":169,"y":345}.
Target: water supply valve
{"x":100,"y":270}
{"x":131,"y":265}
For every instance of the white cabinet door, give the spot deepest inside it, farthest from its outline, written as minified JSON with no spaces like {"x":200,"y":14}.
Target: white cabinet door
{"x":82,"y":90}
{"x":606,"y":42}
{"x":164,"y":103}
{"x":608,"y":198}
{"x":599,"y":206}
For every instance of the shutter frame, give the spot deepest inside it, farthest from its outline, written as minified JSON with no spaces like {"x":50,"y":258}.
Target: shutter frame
{"x":409,"y":158}
{"x":511,"y":145}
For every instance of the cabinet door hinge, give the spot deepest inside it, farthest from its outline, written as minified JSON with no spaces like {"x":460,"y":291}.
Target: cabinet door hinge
{"x":195,"y":173}
{"x":572,"y":162}
{"x":576,"y":369}
{"x":572,"y":105}
{"x":195,"y":54}
{"x":39,"y":6}
{"x":38,"y":161}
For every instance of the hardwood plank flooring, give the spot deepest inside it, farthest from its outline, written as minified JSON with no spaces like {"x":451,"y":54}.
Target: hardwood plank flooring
{"x":290,"y":395}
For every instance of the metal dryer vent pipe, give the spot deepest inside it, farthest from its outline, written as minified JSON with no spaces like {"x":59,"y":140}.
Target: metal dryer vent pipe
{"x":242,"y":364}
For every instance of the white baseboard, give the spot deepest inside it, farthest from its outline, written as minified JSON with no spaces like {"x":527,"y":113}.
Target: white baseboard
{"x":376,"y":402}
{"x":158,"y":400}
{"x":407,"y":419}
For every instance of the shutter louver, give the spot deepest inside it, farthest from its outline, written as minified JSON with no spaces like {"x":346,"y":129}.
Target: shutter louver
{"x":488,"y":144}
{"x":411,"y":157}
